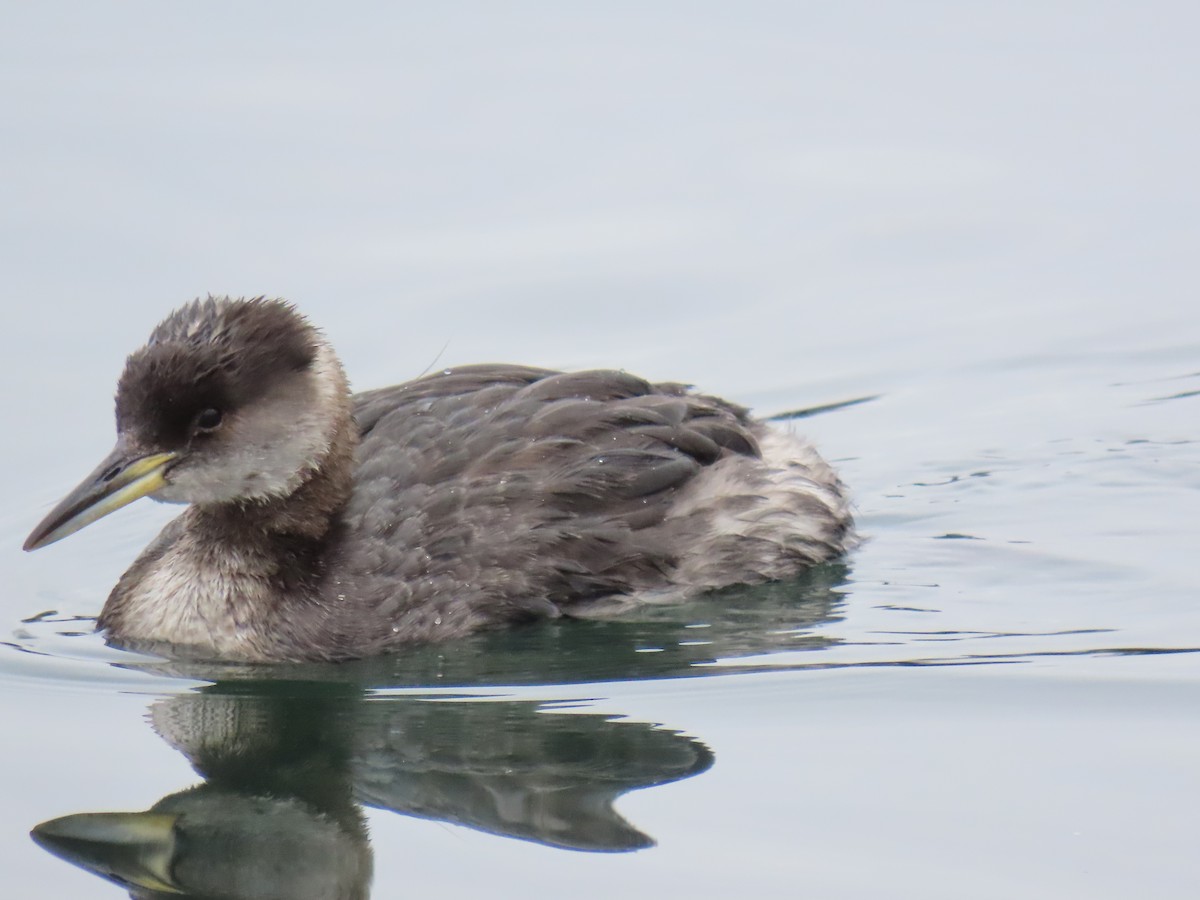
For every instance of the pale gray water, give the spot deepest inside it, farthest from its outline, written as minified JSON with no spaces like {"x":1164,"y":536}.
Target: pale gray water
{"x":985,"y":216}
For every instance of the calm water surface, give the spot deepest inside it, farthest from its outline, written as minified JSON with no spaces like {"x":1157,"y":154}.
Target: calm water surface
{"x":981,"y":225}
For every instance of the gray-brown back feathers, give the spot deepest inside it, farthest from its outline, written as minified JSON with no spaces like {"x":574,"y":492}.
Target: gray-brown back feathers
{"x":489,"y":494}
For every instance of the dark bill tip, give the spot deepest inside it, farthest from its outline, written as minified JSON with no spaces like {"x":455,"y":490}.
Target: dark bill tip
{"x":116,"y":482}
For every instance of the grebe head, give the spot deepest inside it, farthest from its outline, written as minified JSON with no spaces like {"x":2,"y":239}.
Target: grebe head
{"x":230,"y":401}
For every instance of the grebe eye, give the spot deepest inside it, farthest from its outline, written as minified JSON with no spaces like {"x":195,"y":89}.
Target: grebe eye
{"x":208,"y":419}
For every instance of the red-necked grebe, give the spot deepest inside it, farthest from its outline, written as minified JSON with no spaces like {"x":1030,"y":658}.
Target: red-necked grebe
{"x":324,"y":525}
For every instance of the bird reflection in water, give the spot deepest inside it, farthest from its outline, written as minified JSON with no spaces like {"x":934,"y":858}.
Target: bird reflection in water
{"x":287,"y":768}
{"x":290,"y":754}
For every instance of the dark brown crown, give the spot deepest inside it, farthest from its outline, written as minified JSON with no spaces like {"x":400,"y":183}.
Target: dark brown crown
{"x":216,"y":353}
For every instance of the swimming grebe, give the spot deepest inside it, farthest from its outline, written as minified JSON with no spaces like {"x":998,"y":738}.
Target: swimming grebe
{"x":329,"y":526}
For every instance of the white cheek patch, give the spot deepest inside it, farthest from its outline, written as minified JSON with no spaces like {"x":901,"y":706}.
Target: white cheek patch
{"x":271,"y":446}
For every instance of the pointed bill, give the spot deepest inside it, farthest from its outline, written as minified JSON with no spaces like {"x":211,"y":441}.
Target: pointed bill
{"x":133,"y":849}
{"x":122,"y":478}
